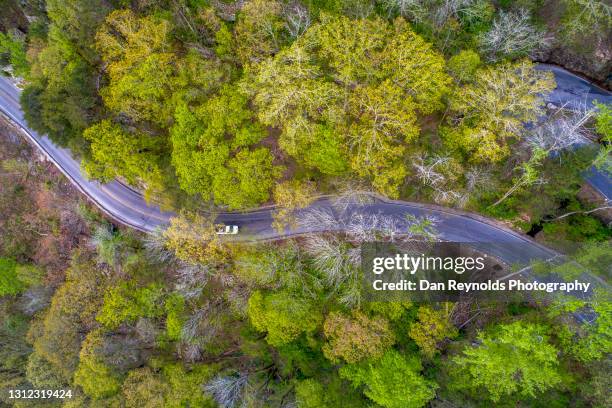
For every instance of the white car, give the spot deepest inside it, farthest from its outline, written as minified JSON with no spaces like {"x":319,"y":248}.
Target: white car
{"x":226,"y":229}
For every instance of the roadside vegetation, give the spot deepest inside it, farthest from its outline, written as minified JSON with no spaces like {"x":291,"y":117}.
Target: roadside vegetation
{"x":214,"y":104}
{"x":178,"y":318}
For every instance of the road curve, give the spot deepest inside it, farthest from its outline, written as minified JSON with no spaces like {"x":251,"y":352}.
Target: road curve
{"x":129,"y":208}
{"x":577,"y":93}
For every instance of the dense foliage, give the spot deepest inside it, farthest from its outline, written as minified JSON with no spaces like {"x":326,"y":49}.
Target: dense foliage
{"x":234,"y":104}
{"x":221,"y":101}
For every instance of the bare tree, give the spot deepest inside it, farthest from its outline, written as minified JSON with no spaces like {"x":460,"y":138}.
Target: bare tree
{"x":319,"y":219}
{"x":147,"y":331}
{"x":191,"y":278}
{"x":529,"y":175}
{"x":362,"y":226}
{"x":228,"y":391}
{"x":339,"y":262}
{"x":352,"y":195}
{"x":335,"y":258}
{"x":297,"y":18}
{"x":190,"y":352}
{"x":35,"y":299}
{"x":561,"y":130}
{"x":512,"y":34}
{"x":433,"y":172}
{"x":476,"y":177}
{"x":413,"y":10}
{"x":437,"y":12}
{"x":155,"y":245}
{"x":451,"y":8}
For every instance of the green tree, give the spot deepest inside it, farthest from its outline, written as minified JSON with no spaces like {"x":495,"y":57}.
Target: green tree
{"x":126,"y":302}
{"x":603,"y":126}
{"x":14,"y":350}
{"x":582,"y":18}
{"x":10,"y":284}
{"x":15,"y":51}
{"x":283,"y":316}
{"x":211,"y":152}
{"x":78,"y":20}
{"x":511,"y":361}
{"x":392,"y":381}
{"x":116,"y":152}
{"x":60,"y":99}
{"x":175,"y":315}
{"x":333,"y":392}
{"x":97,"y":379}
{"x":186,"y":385}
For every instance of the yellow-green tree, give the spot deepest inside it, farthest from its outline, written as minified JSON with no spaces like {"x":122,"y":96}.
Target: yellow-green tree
{"x":511,"y":361}
{"x":212,"y":152}
{"x":98,"y":379}
{"x":291,"y":196}
{"x":192,"y":237}
{"x":432,"y":327}
{"x":115,"y":152}
{"x":260,"y":30}
{"x":140,"y":65}
{"x":349,"y":92}
{"x":491,"y":112}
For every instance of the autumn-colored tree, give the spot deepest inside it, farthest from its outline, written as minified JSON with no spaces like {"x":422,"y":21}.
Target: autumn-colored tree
{"x":143,"y":388}
{"x":357,"y":337}
{"x":72,"y":310}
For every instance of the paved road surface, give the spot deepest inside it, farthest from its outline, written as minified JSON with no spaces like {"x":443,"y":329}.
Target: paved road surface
{"x":576,"y":92}
{"x":128,"y":207}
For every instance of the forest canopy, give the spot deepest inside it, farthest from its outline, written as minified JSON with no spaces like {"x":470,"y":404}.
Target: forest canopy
{"x":210,"y":106}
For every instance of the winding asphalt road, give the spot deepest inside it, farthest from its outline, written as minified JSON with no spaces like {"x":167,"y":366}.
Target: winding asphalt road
{"x":577,"y":93}
{"x":128,"y":207}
